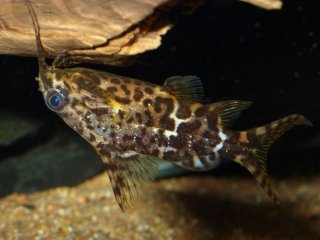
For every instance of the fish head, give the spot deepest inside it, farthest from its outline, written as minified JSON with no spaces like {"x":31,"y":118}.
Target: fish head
{"x":76,"y":96}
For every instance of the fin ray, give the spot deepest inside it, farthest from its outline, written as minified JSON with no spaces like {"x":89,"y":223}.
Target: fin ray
{"x":229,"y":111}
{"x":129,"y":176}
{"x":266,"y":135}
{"x":185,"y":87}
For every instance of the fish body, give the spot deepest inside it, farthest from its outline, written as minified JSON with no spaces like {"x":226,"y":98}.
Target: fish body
{"x":132,"y":124}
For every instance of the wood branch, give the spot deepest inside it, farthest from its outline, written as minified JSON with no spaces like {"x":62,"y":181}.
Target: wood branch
{"x":94,"y":30}
{"x":266,"y":4}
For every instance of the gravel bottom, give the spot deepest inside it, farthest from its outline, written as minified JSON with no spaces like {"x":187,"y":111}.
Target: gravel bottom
{"x":190,"y":207}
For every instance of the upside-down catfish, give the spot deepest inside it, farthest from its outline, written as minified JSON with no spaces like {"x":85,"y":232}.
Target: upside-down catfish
{"x":132,"y":124}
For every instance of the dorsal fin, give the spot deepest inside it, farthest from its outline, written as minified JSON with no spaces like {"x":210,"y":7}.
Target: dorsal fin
{"x":185,"y":87}
{"x":229,"y":111}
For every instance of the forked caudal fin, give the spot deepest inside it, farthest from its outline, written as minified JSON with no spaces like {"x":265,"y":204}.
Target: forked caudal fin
{"x":264,"y":137}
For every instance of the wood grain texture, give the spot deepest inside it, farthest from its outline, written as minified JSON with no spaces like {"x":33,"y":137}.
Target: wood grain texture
{"x":101,"y":31}
{"x":93,"y":29}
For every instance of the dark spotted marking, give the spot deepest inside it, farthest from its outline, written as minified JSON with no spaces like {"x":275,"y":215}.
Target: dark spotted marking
{"x":126,"y":80}
{"x":79,"y":128}
{"x":74,"y":103}
{"x":184,"y":111}
{"x":122,"y":100}
{"x":139,"y":117}
{"x":111,"y":89}
{"x":90,"y":127}
{"x":187,"y":160}
{"x":201,"y":111}
{"x":253,"y":139}
{"x":148,"y":90}
{"x":167,"y":123}
{"x":160,"y":102}
{"x":67,"y":85}
{"x":58,"y":74}
{"x":87,"y":118}
{"x":177,"y":142}
{"x":147,"y":102}
{"x":89,"y":86}
{"x":209,"y":134}
{"x":149,"y":119}
{"x":113,"y":134}
{"x":100,"y":111}
{"x":121,"y":114}
{"x":92,"y":138}
{"x":115,"y":80}
{"x":212,"y":119}
{"x":91,"y":75}
{"x":169,"y":155}
{"x":200,"y":147}
{"x":125,"y":89}
{"x":143,"y":131}
{"x":130,"y":120}
{"x":155,"y":152}
{"x":162,"y":140}
{"x":138,"y":94}
{"x":189,"y":127}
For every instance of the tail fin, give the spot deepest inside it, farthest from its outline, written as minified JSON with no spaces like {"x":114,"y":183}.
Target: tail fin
{"x":262,"y":138}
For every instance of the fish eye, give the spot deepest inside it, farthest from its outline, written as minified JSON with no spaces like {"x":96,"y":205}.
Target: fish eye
{"x":55,"y":101}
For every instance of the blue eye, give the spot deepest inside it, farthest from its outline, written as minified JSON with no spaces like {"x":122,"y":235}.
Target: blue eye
{"x":55,"y":101}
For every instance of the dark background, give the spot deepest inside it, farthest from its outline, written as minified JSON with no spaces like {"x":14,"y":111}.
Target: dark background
{"x":240,"y":52}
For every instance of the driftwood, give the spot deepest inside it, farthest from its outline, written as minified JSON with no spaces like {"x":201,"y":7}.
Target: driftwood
{"x":94,"y":30}
{"x":266,"y":4}
{"x":105,"y":31}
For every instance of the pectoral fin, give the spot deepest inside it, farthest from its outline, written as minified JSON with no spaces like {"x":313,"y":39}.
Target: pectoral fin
{"x":129,"y":173}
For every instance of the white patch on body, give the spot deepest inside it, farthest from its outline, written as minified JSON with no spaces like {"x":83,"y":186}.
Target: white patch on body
{"x":173,"y":115}
{"x":219,"y":146}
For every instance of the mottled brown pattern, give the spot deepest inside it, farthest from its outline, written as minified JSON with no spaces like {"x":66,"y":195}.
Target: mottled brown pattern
{"x":169,"y":156}
{"x":121,"y":114}
{"x":200,"y":147}
{"x":125,"y":89}
{"x":100,"y":111}
{"x":148,"y":90}
{"x":189,"y":127}
{"x":126,"y":80}
{"x":67,"y":85}
{"x":138,"y":117}
{"x":178,"y":142}
{"x":162,"y":140}
{"x":115,"y":80}
{"x":163,"y":104}
{"x":112,"y":90}
{"x":184,"y":111}
{"x":147,"y":102}
{"x":130,"y":120}
{"x":138,"y":94}
{"x":149,"y":118}
{"x":92,"y":138}
{"x":212,"y":119}
{"x":90,"y":74}
{"x":201,"y":111}
{"x":122,"y":100}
